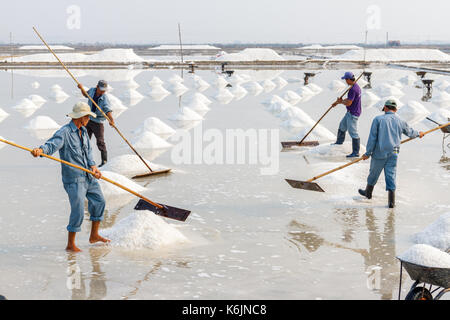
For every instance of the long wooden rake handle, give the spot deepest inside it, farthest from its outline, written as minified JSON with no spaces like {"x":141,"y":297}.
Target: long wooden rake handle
{"x":85,"y":170}
{"x":329,"y":109}
{"x":361,"y":158}
{"x":92,"y":100}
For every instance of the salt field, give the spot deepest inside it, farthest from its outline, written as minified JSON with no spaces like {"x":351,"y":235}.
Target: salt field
{"x":250,"y":235}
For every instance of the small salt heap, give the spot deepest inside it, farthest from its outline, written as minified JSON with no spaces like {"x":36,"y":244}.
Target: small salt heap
{"x":369,"y":98}
{"x":238,"y":92}
{"x":110,"y":190}
{"x":57,"y":94}
{"x":292,"y":97}
{"x":272,"y":99}
{"x":278,"y":107}
{"x":379,"y":105}
{"x":131,"y":97}
{"x":143,"y":229}
{"x":42,"y":123}
{"x":185,"y":114}
{"x":35,"y":85}
{"x":155,"y":126}
{"x":306,"y":93}
{"x":280,"y":82}
{"x":37,"y":100}
{"x":220,"y":82}
{"x":441,"y":98}
{"x":116,"y":105}
{"x":413,"y":112}
{"x":408,"y":80}
{"x":178,"y":88}
{"x":155,"y":82}
{"x":131,"y":84}
{"x":337,"y":85}
{"x":425,"y":255}
{"x":149,"y":140}
{"x":200,"y":84}
{"x":314,"y":88}
{"x":3,"y":115}
{"x":268,"y":85}
{"x":130,"y":165}
{"x":223,"y":96}
{"x":175,"y":79}
{"x":331,"y":151}
{"x":436,"y":234}
{"x":158,"y":92}
{"x":26,"y":107}
{"x":253,"y":87}
{"x":386,"y":90}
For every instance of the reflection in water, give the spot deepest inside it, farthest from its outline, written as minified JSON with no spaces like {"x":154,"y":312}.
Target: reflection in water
{"x":379,"y":259}
{"x":138,"y":284}
{"x":76,"y":278}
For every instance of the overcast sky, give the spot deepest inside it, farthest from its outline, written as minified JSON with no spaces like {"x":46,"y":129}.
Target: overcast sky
{"x":209,"y":21}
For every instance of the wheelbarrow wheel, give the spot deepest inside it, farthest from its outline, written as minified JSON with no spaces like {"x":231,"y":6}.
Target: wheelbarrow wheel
{"x":419,"y":293}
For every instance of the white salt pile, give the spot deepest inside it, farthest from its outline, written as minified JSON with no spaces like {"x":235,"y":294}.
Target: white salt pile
{"x":293,"y":113}
{"x":155,"y":82}
{"x":292,"y":97}
{"x":223,"y":96}
{"x":110,"y":190}
{"x":413,"y":112}
{"x":314,"y":88}
{"x":436,"y":234}
{"x":268,"y":85}
{"x":305,"y":92}
{"x":185,"y":114}
{"x":116,"y":104}
{"x":278,"y":107}
{"x":130,"y":165}
{"x":396,"y":84}
{"x":149,"y":140}
{"x":57,"y":94}
{"x":131,"y":84}
{"x":200,"y":84}
{"x":320,"y":133}
{"x":369,"y":98}
{"x":26,"y":107}
{"x":37,"y":100}
{"x":253,"y":87}
{"x":425,"y":255}
{"x":42,"y":123}
{"x":199,"y":97}
{"x":175,"y":79}
{"x":3,"y":115}
{"x":178,"y":88}
{"x":387,"y":89}
{"x":441,"y":98}
{"x":198,"y":107}
{"x":331,"y":151}
{"x":387,"y":55}
{"x":251,"y":54}
{"x":274,"y":98}
{"x":238,"y":92}
{"x":236,"y":79}
{"x":408,"y":80}
{"x":280,"y":82}
{"x":337,"y":85}
{"x":158,"y":92}
{"x":132,"y":97}
{"x":35,"y":85}
{"x":220,"y":82}
{"x":379,"y":105}
{"x":441,"y":116}
{"x":155,"y":126}
{"x":143,"y":229}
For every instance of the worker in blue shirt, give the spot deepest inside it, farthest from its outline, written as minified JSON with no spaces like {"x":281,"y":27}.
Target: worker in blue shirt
{"x":384,"y":146}
{"x":73,"y":144}
{"x":95,"y":126}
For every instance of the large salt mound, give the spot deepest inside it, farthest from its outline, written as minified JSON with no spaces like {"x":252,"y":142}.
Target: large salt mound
{"x":107,"y":55}
{"x":155,"y":82}
{"x":436,"y":234}
{"x":251,"y":54}
{"x":395,"y":55}
{"x":143,"y":229}
{"x":253,"y":87}
{"x":238,"y":92}
{"x":185,"y":114}
{"x":425,"y":255}
{"x":337,"y":85}
{"x":110,"y":190}
{"x":116,"y":104}
{"x":441,"y":116}
{"x":292,"y":97}
{"x":280,"y":82}
{"x":130,"y":165}
{"x":3,"y":115}
{"x":155,"y":126}
{"x":441,"y":98}
{"x":42,"y":123}
{"x":369,"y":98}
{"x":413,"y":112}
{"x":223,"y":96}
{"x":387,"y":89}
{"x":149,"y":140}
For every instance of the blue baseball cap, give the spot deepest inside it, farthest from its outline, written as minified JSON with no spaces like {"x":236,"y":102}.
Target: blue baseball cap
{"x":348,"y":75}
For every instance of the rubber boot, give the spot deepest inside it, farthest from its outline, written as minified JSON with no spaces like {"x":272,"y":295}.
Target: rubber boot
{"x":391,"y":197}
{"x":104,"y":155}
{"x":340,"y":137}
{"x":356,"y":143}
{"x":367,"y":193}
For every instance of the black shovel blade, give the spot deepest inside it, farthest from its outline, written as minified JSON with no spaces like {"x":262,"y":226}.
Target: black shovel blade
{"x":165,"y":211}
{"x":290,"y":144}
{"x":312,"y":186}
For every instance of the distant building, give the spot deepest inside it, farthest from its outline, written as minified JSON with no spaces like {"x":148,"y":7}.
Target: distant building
{"x":394,"y":43}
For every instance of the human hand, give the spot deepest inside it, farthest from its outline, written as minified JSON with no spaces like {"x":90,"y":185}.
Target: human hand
{"x":97,"y":173}
{"x":365,"y":157}
{"x":37,"y":152}
{"x":421,"y":134}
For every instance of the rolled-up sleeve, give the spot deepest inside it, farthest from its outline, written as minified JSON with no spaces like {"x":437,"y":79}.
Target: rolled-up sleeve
{"x":373,"y":136}
{"x":54,"y":143}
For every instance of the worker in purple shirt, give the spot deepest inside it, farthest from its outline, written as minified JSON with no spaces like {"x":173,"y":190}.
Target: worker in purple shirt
{"x":350,"y":121}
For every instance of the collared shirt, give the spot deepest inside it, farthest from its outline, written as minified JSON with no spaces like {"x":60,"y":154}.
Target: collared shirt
{"x":354,"y":94}
{"x":102,"y":102}
{"x":385,"y":135}
{"x":72,"y":148}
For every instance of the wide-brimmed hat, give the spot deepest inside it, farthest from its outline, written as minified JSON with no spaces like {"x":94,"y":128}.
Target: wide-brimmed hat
{"x":81,"y":109}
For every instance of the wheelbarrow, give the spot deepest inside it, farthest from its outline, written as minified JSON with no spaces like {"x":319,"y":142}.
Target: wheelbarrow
{"x":424,"y":280}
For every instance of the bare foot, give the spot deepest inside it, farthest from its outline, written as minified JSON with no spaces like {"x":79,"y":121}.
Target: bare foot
{"x":73,"y":248}
{"x":98,"y":238}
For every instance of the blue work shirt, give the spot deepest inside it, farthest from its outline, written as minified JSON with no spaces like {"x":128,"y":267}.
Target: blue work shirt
{"x":72,"y":148}
{"x":385,"y":135}
{"x":103,"y":103}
